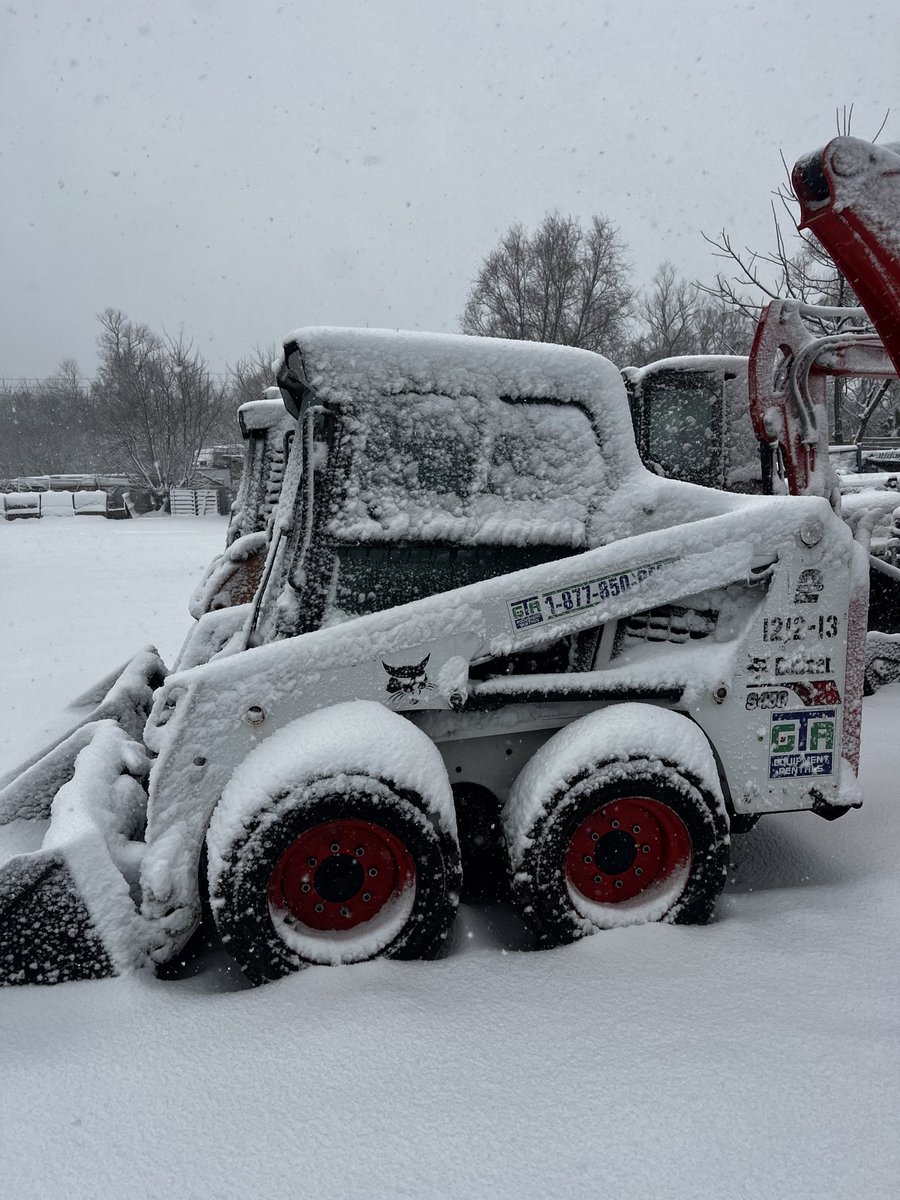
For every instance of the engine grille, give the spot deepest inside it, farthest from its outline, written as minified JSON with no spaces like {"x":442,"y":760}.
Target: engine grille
{"x":669,"y":623}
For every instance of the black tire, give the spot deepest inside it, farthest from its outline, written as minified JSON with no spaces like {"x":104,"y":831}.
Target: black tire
{"x":259,"y":937}
{"x":675,"y":804}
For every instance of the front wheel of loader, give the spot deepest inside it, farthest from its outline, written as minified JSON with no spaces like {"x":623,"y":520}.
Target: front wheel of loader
{"x":334,"y":868}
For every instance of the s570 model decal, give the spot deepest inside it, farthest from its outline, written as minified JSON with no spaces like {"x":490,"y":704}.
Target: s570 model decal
{"x":817,"y":691}
{"x":767,"y":698}
{"x":812,"y":694}
{"x":547,"y":606}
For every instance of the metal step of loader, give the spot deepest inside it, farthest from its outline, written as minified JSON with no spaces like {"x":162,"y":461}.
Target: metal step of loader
{"x":69,"y":909}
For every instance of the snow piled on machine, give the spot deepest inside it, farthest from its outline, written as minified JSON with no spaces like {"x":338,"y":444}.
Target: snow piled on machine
{"x":359,"y":735}
{"x":96,"y":823}
{"x":867,"y":177}
{"x":437,"y":468}
{"x":472,"y":439}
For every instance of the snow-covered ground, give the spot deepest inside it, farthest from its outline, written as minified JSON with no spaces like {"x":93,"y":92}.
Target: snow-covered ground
{"x":756,"y":1057}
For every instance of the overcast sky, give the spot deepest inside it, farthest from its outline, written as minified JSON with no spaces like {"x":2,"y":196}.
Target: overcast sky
{"x":240,"y":169}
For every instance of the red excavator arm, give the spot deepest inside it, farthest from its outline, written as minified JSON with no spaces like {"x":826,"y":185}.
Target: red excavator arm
{"x":849,"y":197}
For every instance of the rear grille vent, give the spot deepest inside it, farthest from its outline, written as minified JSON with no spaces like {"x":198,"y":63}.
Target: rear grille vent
{"x":670,"y":623}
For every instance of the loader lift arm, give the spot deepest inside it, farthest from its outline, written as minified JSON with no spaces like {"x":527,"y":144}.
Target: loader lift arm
{"x":787,"y":373}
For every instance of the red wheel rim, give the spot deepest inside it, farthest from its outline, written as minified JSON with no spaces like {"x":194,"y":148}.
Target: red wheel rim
{"x":626,"y":847}
{"x":340,"y":874}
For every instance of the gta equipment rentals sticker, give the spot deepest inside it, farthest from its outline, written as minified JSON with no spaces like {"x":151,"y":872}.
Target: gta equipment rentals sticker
{"x":802,"y":743}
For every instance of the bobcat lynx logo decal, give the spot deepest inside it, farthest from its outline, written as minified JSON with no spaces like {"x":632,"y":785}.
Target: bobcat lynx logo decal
{"x":409,"y":683}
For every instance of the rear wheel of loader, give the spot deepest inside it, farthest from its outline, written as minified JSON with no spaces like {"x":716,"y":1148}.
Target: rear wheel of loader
{"x":622,"y":853}
{"x":619,"y":841}
{"x":329,"y":876}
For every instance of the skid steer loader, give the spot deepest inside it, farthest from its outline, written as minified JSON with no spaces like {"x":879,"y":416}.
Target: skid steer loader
{"x":478,"y":612}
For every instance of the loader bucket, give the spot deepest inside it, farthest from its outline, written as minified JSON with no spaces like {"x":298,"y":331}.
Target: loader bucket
{"x":68,"y":910}
{"x":46,"y":934}
{"x":125,"y":697}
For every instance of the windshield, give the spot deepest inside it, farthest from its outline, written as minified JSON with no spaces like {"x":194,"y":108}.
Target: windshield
{"x":460,"y":469}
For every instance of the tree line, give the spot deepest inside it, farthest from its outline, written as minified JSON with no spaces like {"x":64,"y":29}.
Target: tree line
{"x":153,"y":404}
{"x":151,"y":408}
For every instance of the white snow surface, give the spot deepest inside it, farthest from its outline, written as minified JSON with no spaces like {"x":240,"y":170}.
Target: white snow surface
{"x":755,"y":1057}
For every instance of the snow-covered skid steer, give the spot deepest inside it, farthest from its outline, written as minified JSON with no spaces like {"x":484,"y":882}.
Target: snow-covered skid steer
{"x":479,"y":614}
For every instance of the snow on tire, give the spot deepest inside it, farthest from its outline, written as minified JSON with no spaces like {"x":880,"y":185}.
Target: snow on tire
{"x":335,"y":841}
{"x":618,"y":819}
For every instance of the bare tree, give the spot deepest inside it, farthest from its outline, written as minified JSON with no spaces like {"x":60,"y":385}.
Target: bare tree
{"x":153,"y":403}
{"x":249,"y":377}
{"x":805,"y":273}
{"x":562,"y":284}
{"x":676,"y":317}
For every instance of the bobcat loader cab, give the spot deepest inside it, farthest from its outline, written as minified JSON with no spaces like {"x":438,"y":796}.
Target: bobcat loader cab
{"x":482,"y":624}
{"x":427,"y":464}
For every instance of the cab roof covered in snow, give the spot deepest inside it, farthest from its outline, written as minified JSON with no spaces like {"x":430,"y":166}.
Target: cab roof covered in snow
{"x":349,"y":368}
